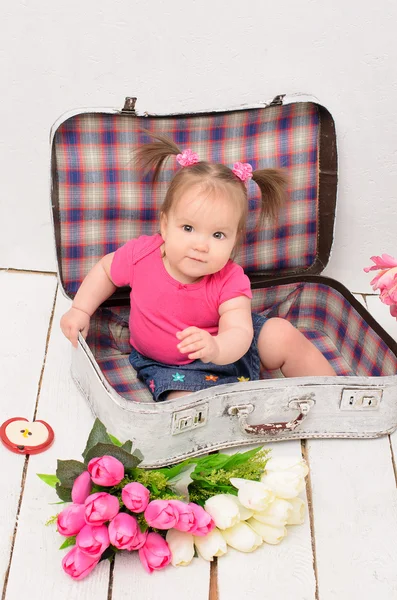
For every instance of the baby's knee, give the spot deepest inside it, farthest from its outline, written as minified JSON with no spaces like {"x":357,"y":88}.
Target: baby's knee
{"x":280,"y":329}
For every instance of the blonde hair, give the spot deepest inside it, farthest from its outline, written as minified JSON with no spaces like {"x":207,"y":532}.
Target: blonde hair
{"x":272,"y":183}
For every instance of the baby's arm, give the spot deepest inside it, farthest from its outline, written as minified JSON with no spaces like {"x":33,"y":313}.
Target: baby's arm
{"x":95,"y":289}
{"x":234,"y":337}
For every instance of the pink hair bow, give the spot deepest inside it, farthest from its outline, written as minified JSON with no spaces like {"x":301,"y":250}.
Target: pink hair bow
{"x":242,"y":170}
{"x":187,"y":158}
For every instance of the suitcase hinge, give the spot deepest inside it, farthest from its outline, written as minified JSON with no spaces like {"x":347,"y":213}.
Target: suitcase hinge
{"x":277,"y":100}
{"x":129,"y":105}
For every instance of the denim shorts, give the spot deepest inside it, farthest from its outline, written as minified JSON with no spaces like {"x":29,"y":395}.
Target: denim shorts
{"x":161,"y":378}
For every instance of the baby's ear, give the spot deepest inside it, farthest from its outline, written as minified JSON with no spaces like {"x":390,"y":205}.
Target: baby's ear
{"x":163,"y":224}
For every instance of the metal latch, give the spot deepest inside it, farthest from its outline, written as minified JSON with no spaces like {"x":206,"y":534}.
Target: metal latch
{"x":129,"y":105}
{"x":189,"y":418}
{"x":361,"y":398}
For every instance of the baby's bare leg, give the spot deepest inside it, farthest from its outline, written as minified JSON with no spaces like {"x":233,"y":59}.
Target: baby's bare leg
{"x":282,"y":346}
{"x":177,"y":394}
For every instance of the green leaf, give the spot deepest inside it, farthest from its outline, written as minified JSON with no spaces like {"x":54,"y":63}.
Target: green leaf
{"x":50,"y":480}
{"x":129,"y":460}
{"x":115,"y":441}
{"x":180,"y":483}
{"x":70,"y":541}
{"x":64,"y":493}
{"x":98,"y":434}
{"x":240,"y":458}
{"x":170,"y":472}
{"x":68,"y":470}
{"x":127,"y":446}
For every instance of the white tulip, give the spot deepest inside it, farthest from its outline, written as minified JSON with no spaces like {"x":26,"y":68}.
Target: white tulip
{"x":181,"y":547}
{"x":284,"y":484}
{"x":292,"y":464}
{"x":242,"y":537}
{"x":245,"y":513}
{"x":276,"y":514}
{"x":223,"y":510}
{"x":269,"y":534}
{"x":297,"y":515}
{"x":253,"y":494}
{"x":210,"y":545}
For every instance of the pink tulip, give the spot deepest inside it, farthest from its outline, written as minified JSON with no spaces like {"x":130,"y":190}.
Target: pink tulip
{"x":71,"y":519}
{"x":106,"y":470}
{"x":100,"y":507}
{"x":385,"y":261}
{"x":135,"y":496}
{"x":393,"y":310}
{"x":186,"y":518}
{"x":203,"y":522}
{"x":125,"y":534}
{"x":78,"y":565}
{"x":155,"y":553}
{"x":160,"y":514}
{"x":81,"y":488}
{"x":93,"y":541}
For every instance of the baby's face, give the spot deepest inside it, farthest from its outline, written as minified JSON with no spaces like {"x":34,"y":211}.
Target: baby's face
{"x":199,"y":234}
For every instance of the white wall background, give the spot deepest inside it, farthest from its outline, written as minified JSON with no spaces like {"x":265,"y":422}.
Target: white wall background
{"x":193,"y":55}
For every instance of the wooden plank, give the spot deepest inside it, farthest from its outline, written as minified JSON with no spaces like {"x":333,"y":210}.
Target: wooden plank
{"x":130,"y":580}
{"x":355,"y":518}
{"x":273,"y":572}
{"x":36,"y":553}
{"x":26,"y":302}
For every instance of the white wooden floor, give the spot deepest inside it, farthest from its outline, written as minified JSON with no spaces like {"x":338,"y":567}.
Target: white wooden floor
{"x":346,"y":549}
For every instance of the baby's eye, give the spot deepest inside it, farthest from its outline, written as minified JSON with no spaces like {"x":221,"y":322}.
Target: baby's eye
{"x":219,"y":235}
{"x":187,"y":228}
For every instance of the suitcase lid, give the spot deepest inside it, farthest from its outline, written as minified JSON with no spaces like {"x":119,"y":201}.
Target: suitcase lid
{"x":100,"y":201}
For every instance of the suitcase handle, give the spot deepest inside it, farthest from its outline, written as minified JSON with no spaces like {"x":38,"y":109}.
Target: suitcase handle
{"x":242,"y":411}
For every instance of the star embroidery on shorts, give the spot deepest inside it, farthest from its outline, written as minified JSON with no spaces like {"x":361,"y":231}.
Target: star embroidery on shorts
{"x":152,"y":385}
{"x":211,"y":377}
{"x":243,"y":378}
{"x":178,"y":377}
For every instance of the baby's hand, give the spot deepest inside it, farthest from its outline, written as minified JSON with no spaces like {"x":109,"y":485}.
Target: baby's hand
{"x":198,"y":343}
{"x":72,"y":322}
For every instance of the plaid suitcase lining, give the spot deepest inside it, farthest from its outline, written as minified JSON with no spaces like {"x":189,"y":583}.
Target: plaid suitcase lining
{"x":103,"y":201}
{"x":320,"y":312}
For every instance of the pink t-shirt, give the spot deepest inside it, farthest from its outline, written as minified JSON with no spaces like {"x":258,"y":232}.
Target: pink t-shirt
{"x":161,"y":305}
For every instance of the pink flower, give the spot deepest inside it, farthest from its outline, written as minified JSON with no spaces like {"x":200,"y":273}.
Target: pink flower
{"x":186,"y":519}
{"x":100,"y":507}
{"x":386,"y":280}
{"x":187,"y":158}
{"x":155,"y":553}
{"x":203,"y":522}
{"x":242,"y":170}
{"x":81,"y":488}
{"x":106,"y":470}
{"x":125,"y":534}
{"x":71,"y":519}
{"x":93,"y":541}
{"x":161,"y":514}
{"x":135,"y":496}
{"x":385,"y":261}
{"x":78,"y":565}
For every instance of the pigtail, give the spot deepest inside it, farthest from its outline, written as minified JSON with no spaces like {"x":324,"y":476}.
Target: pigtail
{"x":273,"y":184}
{"x":152,"y":156}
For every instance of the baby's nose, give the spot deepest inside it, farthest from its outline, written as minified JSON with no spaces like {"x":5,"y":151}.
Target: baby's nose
{"x":201,"y":246}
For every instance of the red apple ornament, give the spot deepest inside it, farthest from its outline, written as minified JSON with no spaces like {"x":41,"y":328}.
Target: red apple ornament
{"x":26,"y":437}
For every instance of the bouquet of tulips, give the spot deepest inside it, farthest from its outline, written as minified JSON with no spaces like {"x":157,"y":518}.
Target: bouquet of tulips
{"x":386,"y":280}
{"x":169,"y":515}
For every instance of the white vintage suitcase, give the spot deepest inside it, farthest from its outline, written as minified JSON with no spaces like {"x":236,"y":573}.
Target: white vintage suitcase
{"x":99,"y":202}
